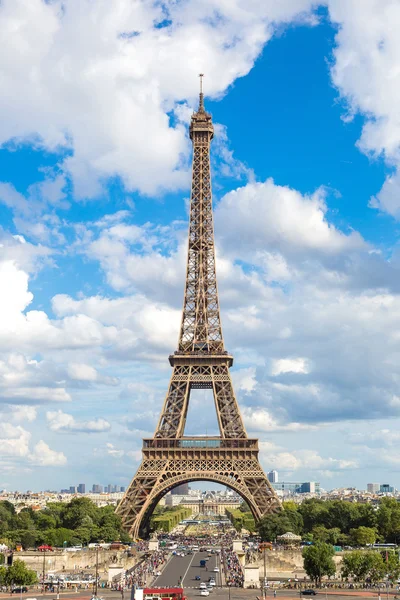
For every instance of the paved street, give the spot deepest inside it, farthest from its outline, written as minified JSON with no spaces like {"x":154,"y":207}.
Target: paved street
{"x":220,"y":593}
{"x":188,"y":567}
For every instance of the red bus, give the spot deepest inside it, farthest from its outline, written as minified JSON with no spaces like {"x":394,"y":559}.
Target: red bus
{"x":175,"y":593}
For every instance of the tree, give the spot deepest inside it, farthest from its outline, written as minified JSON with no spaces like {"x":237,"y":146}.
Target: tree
{"x":363,"y":536}
{"x":372,"y":565}
{"x":318,"y":561}
{"x":3,"y":574}
{"x":77,"y":511}
{"x":28,"y":539}
{"x":19,"y":574}
{"x":355,"y":564}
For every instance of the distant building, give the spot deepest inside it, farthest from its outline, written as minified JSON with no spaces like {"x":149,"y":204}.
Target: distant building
{"x":122,"y":488}
{"x":273,"y":477}
{"x":81,"y":488}
{"x":373,"y":488}
{"x":385,"y":488}
{"x":72,"y":489}
{"x":181,"y":490}
{"x":97,"y":489}
{"x":289,"y":487}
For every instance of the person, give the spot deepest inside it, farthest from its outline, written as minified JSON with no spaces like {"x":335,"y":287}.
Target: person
{"x":274,"y":593}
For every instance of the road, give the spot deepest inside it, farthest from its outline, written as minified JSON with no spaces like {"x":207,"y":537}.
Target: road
{"x":187,"y":567}
{"x":218,"y":594}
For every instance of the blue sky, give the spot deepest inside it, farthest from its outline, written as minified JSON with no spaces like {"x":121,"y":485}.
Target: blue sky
{"x":94,"y":190}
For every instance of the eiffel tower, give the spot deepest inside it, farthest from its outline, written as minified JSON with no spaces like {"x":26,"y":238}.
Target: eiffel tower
{"x":201,"y":362}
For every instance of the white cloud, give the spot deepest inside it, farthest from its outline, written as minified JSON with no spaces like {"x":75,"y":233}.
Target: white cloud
{"x":366,"y":72}
{"x":61,"y":77}
{"x":65,"y":423}
{"x":44,"y":456}
{"x":15,"y":448}
{"x":286,"y":222}
{"x":258,"y":419}
{"x":277,"y":458}
{"x":289,"y":365}
{"x":82,"y":372}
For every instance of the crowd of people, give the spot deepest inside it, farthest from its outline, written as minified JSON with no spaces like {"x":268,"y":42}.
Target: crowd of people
{"x":233,"y":569}
{"x":142,"y":573}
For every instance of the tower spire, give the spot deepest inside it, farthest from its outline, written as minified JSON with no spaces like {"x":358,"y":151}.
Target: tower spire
{"x":201,"y":95}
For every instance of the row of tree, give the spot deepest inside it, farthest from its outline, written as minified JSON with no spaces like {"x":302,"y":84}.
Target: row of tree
{"x":77,"y":522}
{"x":360,"y":565}
{"x":165,"y":519}
{"x":336,"y":522}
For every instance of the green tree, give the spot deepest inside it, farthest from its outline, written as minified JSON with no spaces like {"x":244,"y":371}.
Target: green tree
{"x":355,"y":564}
{"x":77,"y":511}
{"x":28,"y":539}
{"x":44,"y":520}
{"x":318,"y":561}
{"x":363,"y":536}
{"x":3,"y":575}
{"x":19,"y":574}
{"x":314,"y":512}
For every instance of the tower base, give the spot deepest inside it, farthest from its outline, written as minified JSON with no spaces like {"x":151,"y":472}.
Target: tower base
{"x":169,"y":462}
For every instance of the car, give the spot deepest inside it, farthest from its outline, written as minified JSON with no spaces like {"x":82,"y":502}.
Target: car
{"x":308,"y":592}
{"x":216,"y":569}
{"x":202,"y":586}
{"x":19,"y":590}
{"x":212,"y":583}
{"x":197,"y":578}
{"x":204,"y":593}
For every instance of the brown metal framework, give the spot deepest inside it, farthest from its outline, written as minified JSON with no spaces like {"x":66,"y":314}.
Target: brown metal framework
{"x":201,"y":362}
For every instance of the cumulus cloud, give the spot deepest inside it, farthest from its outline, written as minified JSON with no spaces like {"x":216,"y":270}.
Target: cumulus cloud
{"x":276,"y":458}
{"x":286,"y":222}
{"x":366,"y":73}
{"x":43,"y":456}
{"x":65,"y":423}
{"x":15,"y":448}
{"x":122,"y":74}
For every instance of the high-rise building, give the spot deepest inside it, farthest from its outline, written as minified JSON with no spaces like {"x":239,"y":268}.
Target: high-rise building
{"x":273,"y":477}
{"x":181,"y":490}
{"x":72,"y":489}
{"x":122,"y":488}
{"x":373,"y":488}
{"x":97,"y":489}
{"x":81,"y":488}
{"x":385,"y":488}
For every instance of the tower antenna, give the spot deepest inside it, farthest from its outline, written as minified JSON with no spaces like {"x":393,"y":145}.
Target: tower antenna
{"x":201,"y":102}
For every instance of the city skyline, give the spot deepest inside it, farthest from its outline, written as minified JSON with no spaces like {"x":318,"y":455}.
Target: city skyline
{"x":94,"y":182}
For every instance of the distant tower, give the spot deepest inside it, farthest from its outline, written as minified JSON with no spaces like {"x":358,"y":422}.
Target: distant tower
{"x":273,"y":477}
{"x":81,"y":488}
{"x":200,"y":362}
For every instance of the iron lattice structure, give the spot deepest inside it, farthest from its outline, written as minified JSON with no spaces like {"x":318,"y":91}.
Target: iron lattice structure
{"x":201,"y":362}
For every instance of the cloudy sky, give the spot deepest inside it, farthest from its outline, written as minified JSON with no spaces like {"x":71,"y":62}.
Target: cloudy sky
{"x":95,"y":99}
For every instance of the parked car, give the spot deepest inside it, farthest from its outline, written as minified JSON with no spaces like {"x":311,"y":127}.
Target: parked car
{"x":197,"y":578}
{"x":19,"y":590}
{"x":204,"y":593}
{"x":216,"y":570}
{"x":308,"y":592}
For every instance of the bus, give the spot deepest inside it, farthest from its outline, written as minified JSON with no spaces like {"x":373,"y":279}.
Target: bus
{"x":175,"y":593}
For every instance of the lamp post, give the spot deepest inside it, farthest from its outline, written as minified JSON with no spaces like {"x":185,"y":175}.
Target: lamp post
{"x":97,"y":572}
{"x":44,"y":571}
